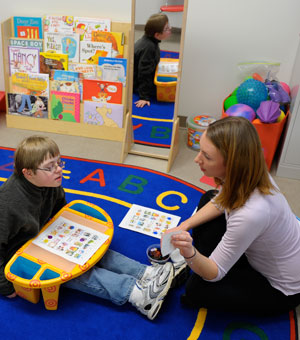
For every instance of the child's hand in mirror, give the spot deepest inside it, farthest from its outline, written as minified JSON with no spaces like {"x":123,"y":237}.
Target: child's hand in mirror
{"x":141,"y":103}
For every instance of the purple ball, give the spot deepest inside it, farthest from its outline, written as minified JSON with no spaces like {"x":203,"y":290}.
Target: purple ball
{"x":241,"y":110}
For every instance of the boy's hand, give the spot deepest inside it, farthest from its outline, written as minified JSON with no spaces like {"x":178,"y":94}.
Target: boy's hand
{"x":141,"y":103}
{"x":11,"y":296}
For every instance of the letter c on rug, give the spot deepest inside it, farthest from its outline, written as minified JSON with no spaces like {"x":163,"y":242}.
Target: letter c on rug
{"x":168,"y":193}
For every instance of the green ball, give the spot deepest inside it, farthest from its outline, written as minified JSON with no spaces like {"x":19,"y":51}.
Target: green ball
{"x":232,"y":100}
{"x":234,"y":92}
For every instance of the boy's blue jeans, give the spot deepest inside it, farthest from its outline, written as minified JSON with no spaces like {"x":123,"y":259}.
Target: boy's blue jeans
{"x":112,"y":278}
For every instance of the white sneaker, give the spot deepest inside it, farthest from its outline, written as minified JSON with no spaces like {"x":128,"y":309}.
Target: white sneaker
{"x":153,"y":291}
{"x":151,"y":272}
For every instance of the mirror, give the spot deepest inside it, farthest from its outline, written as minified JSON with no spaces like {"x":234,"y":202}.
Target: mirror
{"x":153,"y":125}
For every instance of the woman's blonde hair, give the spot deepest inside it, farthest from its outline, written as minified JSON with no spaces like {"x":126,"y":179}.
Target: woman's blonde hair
{"x":237,"y":140}
{"x":32,"y":151}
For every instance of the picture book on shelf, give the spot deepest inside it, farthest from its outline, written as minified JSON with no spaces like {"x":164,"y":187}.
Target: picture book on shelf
{"x":65,"y":106}
{"x":103,"y":114}
{"x":53,"y":61}
{"x":91,"y":51}
{"x":30,"y":83}
{"x":87,"y":70}
{"x":58,"y":23}
{"x":84,"y":26}
{"x":113,"y":69}
{"x":27,"y":105}
{"x":66,"y":81}
{"x":115,"y":38}
{"x":19,"y":42}
{"x":66,"y":43}
{"x":102,"y":91}
{"x":23,"y":59}
{"x":28,"y":27}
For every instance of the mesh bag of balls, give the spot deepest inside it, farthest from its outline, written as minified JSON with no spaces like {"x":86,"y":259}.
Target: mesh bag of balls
{"x":260,"y":95}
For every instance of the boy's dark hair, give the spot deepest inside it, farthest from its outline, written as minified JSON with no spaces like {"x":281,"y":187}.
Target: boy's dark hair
{"x":32,"y":151}
{"x":156,"y":24}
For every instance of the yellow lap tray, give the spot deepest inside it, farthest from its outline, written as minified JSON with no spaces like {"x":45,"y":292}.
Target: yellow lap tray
{"x":33,"y":268}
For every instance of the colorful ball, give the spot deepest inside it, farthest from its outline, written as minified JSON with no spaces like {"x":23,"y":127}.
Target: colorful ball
{"x":281,"y":117}
{"x":252,"y":92}
{"x":234,"y":92}
{"x":285,"y":87}
{"x":241,"y":110}
{"x":232,"y":100}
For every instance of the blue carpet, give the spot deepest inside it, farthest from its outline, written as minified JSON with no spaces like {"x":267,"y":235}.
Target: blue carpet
{"x":115,"y":187}
{"x":169,"y":54}
{"x":156,"y":129}
{"x":152,"y":125}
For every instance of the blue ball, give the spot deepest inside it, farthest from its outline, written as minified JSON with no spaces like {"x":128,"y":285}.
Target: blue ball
{"x":252,"y":92}
{"x":241,"y":110}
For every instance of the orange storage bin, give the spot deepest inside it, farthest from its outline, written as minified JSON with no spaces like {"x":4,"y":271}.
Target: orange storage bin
{"x":2,"y":102}
{"x":269,"y":135}
{"x":166,"y":82}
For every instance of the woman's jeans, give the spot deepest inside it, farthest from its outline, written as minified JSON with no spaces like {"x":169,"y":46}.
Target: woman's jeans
{"x":112,"y":278}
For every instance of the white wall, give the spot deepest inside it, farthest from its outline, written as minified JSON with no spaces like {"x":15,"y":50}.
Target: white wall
{"x":144,"y":8}
{"x":219,"y":34}
{"x":117,"y":10}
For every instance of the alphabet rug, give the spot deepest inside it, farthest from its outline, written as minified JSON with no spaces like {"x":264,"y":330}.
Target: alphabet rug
{"x":115,"y":187}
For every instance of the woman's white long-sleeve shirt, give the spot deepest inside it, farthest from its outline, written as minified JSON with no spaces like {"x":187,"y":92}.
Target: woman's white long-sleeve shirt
{"x":268,"y":232}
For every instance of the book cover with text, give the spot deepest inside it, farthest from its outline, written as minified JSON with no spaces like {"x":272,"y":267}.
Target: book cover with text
{"x":31,"y":43}
{"x":113,"y":69}
{"x":30,"y":83}
{"x":87,"y":70}
{"x":66,"y":43}
{"x":28,"y":27}
{"x":84,"y":26}
{"x":91,"y":51}
{"x":66,"y":81}
{"x":65,"y":106}
{"x":115,"y":38}
{"x":103,"y":114}
{"x":53,"y":61}
{"x":58,"y":23}
{"x":102,"y":91}
{"x":23,"y":59}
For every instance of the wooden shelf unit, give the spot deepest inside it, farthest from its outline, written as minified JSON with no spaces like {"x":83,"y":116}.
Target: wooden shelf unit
{"x":72,"y":128}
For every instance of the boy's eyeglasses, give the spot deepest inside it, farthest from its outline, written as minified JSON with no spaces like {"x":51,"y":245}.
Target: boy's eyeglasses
{"x":53,"y":167}
{"x":168,"y":28}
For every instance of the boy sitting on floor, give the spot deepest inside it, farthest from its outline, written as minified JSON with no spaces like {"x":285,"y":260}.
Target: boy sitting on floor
{"x":147,"y":56}
{"x":32,"y":195}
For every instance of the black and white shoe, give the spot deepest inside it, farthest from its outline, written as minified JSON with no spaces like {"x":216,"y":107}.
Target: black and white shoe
{"x":154,"y":291}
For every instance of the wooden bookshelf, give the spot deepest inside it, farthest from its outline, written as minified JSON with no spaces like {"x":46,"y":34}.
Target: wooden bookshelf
{"x":72,"y":128}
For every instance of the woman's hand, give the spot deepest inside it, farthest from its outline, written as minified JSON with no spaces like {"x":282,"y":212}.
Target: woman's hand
{"x":141,"y":103}
{"x":182,"y":227}
{"x":184,"y":242}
